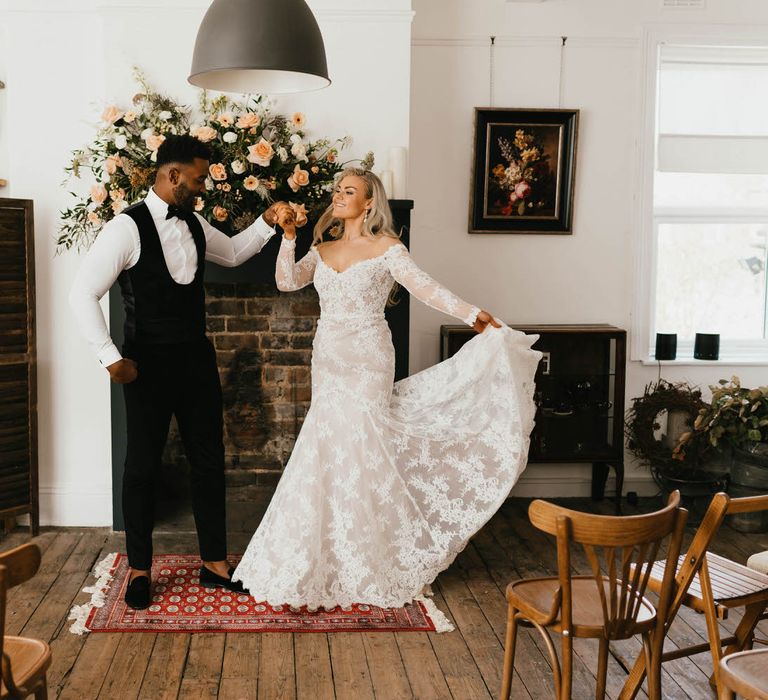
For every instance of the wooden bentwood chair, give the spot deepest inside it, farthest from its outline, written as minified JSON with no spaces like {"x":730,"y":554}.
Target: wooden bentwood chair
{"x":24,"y":661}
{"x":713,"y":585}
{"x":607,"y":605}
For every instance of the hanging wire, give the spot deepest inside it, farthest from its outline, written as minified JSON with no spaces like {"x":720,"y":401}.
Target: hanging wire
{"x":491,"y":64}
{"x":560,"y":77}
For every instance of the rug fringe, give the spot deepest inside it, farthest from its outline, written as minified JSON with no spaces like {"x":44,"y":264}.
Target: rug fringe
{"x":439,"y":619}
{"x":103,"y":573}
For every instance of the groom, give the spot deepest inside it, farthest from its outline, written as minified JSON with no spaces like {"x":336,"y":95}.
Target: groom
{"x":157,"y":250}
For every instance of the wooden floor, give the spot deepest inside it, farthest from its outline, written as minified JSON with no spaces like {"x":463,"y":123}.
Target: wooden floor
{"x":465,"y":664}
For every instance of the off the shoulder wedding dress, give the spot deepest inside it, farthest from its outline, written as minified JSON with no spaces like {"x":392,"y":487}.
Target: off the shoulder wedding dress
{"x":387,"y":483}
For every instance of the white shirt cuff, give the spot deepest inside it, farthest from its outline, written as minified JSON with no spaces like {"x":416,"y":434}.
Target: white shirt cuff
{"x":264,"y":229}
{"x":109,"y":355}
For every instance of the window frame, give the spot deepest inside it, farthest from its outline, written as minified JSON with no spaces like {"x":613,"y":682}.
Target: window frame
{"x":645,"y":241}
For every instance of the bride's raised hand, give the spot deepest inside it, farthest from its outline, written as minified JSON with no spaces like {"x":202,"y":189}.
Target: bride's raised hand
{"x":482,"y":321}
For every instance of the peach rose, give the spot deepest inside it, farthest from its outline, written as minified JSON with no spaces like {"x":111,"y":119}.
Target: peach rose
{"x":111,"y":114}
{"x":331,"y":157}
{"x":220,"y":213}
{"x":217,"y":171}
{"x":93,"y":218}
{"x":117,"y":194}
{"x":98,"y":193}
{"x":298,"y":178}
{"x":251,"y":183}
{"x":154,"y":141}
{"x":226,"y":187}
{"x":119,"y":205}
{"x":262,"y":153}
{"x":300,"y":212}
{"x":298,"y":119}
{"x":248,"y":120}
{"x":225,"y":119}
{"x":204,"y":133}
{"x":129,"y":116}
{"x":112,"y":163}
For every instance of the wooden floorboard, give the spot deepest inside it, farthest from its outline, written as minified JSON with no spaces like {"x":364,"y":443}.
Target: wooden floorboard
{"x":464,"y":664}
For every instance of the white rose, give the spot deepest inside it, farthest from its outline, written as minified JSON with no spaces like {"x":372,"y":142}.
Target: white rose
{"x":120,"y":141}
{"x":295,"y":139}
{"x":147,"y":133}
{"x":238,"y":167}
{"x":299,"y":150}
{"x":229,"y":137}
{"x":165,"y":115}
{"x":208,"y":183}
{"x":282,"y":154}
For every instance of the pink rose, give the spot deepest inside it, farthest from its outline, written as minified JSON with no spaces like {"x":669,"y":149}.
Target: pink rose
{"x":248,"y":120}
{"x":261,"y":153}
{"x":522,"y":189}
{"x":217,"y":171}
{"x":98,"y":193}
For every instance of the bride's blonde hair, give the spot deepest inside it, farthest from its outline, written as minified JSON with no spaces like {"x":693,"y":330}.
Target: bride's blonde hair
{"x":379,"y":221}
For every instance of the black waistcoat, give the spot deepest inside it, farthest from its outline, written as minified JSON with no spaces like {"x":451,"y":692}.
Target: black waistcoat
{"x":159,"y":310}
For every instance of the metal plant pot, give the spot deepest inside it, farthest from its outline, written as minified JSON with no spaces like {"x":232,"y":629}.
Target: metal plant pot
{"x":749,"y":477}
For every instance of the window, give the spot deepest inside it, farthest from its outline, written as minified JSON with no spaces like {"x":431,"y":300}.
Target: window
{"x":710,"y":197}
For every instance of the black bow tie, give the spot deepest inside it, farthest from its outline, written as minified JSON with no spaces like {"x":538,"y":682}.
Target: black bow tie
{"x":178,"y":212}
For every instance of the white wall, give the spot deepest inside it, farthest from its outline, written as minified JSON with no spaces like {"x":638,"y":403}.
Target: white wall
{"x":61,"y":62}
{"x":586,"y":277}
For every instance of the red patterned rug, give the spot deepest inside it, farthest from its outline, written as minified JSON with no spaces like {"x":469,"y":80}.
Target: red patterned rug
{"x":180,"y":604}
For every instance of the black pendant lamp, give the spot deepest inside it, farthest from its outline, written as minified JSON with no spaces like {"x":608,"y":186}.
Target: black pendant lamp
{"x":259,"y":47}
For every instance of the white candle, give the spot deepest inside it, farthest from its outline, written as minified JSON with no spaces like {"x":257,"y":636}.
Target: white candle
{"x":386,"y":179}
{"x":398,"y":163}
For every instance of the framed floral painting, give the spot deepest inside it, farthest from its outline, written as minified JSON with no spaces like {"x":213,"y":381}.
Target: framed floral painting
{"x":523,"y":170}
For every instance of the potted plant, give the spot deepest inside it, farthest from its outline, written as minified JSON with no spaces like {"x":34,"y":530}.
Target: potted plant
{"x":737,"y":419}
{"x":677,"y":405}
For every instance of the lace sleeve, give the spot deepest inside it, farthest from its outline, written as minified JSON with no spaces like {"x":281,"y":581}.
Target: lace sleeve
{"x":291,"y":275}
{"x":424,"y":288}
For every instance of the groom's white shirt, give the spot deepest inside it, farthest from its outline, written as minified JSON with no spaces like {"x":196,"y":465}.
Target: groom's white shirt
{"x":118,"y":248}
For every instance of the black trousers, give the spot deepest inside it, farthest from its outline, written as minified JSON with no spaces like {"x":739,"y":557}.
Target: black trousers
{"x":180,"y":379}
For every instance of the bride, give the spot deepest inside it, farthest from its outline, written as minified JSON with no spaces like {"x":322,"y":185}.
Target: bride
{"x":386,"y":484}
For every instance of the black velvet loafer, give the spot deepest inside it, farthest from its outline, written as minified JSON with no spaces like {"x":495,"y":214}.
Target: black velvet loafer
{"x":137,"y":593}
{"x":209,"y":579}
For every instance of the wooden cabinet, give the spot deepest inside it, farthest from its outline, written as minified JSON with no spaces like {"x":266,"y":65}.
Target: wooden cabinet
{"x":579,"y":395}
{"x":18,"y":376}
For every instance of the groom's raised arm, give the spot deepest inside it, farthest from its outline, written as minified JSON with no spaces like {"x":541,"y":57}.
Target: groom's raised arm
{"x":231,"y":252}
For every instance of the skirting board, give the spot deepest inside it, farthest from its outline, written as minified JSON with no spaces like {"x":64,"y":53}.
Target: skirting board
{"x":70,"y":507}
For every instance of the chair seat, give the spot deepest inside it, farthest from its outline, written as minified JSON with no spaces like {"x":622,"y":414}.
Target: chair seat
{"x":29,"y":657}
{"x":733,"y":584}
{"x":759,"y":562}
{"x":534,"y":599}
{"x":747,"y":672}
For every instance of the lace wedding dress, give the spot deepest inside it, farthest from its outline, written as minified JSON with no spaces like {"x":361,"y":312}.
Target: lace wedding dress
{"x":386,"y":484}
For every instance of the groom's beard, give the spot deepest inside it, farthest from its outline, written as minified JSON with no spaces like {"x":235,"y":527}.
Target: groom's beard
{"x":184,"y":197}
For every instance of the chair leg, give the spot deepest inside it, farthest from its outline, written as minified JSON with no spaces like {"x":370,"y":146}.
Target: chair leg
{"x":634,"y":679}
{"x":509,"y":653}
{"x":602,"y":669}
{"x":41,"y":692}
{"x":746,"y":628}
{"x":567,"y":665}
{"x":653,"y":664}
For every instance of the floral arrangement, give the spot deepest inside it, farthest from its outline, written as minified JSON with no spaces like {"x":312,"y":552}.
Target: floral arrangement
{"x":737,"y":416}
{"x":522,"y":184}
{"x":257,"y":157}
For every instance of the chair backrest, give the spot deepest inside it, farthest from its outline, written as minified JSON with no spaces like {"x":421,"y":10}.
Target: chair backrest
{"x":16,"y":566}
{"x":620,"y":551}
{"x":691,"y":564}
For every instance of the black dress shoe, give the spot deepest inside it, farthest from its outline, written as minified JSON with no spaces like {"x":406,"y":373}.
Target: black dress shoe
{"x":137,"y":593}
{"x":209,"y":579}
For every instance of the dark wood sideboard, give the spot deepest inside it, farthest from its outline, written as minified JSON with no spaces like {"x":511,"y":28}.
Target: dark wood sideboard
{"x":580,"y":386}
